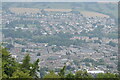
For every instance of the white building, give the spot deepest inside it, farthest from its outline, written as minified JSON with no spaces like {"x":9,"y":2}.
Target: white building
{"x":95,"y":72}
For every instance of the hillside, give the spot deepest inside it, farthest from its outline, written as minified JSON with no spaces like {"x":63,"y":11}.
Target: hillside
{"x":110,"y":9}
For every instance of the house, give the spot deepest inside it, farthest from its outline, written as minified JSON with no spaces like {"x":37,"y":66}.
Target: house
{"x":95,"y":71}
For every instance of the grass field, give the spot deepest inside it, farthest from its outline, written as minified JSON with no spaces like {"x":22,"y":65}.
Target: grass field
{"x":35,"y":10}
{"x":24,"y":10}
{"x":59,"y":10}
{"x":93,"y":14}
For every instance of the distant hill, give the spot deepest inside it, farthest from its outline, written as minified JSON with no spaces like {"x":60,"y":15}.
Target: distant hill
{"x":106,"y":8}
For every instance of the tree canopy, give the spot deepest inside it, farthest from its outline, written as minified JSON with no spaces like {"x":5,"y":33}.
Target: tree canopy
{"x":12,"y":69}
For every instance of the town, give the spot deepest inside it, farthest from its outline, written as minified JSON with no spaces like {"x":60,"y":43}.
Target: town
{"x":61,"y":37}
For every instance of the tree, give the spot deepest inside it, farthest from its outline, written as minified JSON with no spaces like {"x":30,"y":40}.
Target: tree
{"x":26,"y":62}
{"x":70,"y":75}
{"x":112,"y":44}
{"x":21,"y":74}
{"x":35,"y":68}
{"x":9,"y":65}
{"x":52,"y":75}
{"x":106,"y":75}
{"x":62,"y":72}
{"x":12,"y":69}
{"x":82,"y":74}
{"x":32,"y":68}
{"x":5,"y":54}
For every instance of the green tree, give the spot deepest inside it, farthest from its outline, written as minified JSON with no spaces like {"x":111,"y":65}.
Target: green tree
{"x":82,"y":74}
{"x":35,"y":68}
{"x":21,"y":74}
{"x":9,"y":65}
{"x":52,"y":75}
{"x":12,"y":69}
{"x":106,"y":75}
{"x":70,"y":75}
{"x":62,"y":72}
{"x":32,"y":68}
{"x":26,"y":62}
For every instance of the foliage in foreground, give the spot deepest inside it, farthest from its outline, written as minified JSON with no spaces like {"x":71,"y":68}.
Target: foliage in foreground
{"x":12,"y":69}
